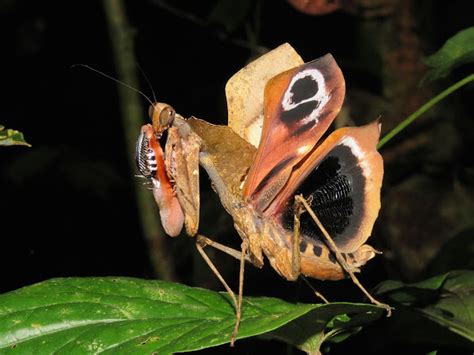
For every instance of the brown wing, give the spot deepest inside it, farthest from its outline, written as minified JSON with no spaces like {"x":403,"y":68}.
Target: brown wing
{"x":299,"y":106}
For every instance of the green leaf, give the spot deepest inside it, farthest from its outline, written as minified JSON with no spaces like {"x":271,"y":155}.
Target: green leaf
{"x":332,"y":322}
{"x":11,"y":137}
{"x":457,"y":50}
{"x":447,"y":300}
{"x":125,"y":315}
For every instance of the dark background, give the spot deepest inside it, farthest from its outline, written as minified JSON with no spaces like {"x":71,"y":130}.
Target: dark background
{"x":67,"y":205}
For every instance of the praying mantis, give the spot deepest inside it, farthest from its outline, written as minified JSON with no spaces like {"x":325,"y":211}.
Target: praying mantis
{"x":306,"y":204}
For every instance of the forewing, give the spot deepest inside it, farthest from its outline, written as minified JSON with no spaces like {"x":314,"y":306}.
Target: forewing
{"x":299,"y":106}
{"x":244,"y":90}
{"x":182,"y":161}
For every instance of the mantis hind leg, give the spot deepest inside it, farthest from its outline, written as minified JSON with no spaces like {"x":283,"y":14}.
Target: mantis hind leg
{"x":339,"y":257}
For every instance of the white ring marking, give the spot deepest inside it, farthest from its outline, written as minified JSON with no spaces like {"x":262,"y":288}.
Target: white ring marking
{"x":321,"y":95}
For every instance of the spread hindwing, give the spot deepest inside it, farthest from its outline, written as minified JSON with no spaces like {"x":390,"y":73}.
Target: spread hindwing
{"x":335,"y":191}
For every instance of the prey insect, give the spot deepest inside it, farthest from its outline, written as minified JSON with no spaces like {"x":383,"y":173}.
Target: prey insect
{"x":307,"y":204}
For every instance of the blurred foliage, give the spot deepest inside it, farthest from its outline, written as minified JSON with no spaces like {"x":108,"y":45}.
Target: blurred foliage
{"x":230,"y":14}
{"x":457,"y":50}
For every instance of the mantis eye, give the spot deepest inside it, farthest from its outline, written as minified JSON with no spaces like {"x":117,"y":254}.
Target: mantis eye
{"x":162,"y":116}
{"x":167,"y":116}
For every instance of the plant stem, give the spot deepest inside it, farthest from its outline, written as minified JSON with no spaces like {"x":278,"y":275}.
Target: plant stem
{"x":407,"y":121}
{"x":121,"y":37}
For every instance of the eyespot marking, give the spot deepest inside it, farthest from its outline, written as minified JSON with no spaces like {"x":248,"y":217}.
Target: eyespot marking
{"x":303,"y":246}
{"x":300,"y":113}
{"x":305,"y":97}
{"x":317,"y":250}
{"x":304,"y":88}
{"x":336,"y":191}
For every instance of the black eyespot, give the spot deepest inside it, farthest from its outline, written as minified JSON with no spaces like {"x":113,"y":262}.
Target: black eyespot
{"x":303,"y":89}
